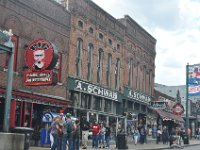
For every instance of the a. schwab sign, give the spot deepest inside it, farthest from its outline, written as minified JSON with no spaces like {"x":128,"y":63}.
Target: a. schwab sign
{"x":79,"y":85}
{"x":136,"y":96}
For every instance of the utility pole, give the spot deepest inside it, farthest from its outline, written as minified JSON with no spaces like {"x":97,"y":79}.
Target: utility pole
{"x":8,"y":47}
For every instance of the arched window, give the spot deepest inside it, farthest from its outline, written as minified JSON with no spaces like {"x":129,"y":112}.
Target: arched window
{"x":89,"y":60}
{"x":99,"y":65}
{"x":131,"y":73}
{"x":117,"y":74}
{"x":108,"y":71}
{"x":79,"y":48}
{"x":80,"y":24}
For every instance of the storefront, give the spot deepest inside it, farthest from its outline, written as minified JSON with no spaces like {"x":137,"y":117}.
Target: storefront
{"x":137,"y":104}
{"x":96,"y":103}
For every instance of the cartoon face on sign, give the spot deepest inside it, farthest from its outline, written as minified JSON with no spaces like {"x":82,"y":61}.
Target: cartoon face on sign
{"x":41,"y":55}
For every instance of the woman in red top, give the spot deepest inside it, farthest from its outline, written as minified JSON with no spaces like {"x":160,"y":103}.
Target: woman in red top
{"x":95,"y":133}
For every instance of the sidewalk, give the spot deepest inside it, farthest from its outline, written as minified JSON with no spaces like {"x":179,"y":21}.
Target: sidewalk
{"x":150,"y":146}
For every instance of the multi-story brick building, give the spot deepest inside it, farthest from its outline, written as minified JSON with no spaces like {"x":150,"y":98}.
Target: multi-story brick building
{"x":111,"y":64}
{"x":30,"y":21}
{"x":106,"y":66}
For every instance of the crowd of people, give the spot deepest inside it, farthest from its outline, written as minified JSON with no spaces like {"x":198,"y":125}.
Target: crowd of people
{"x":66,"y":132}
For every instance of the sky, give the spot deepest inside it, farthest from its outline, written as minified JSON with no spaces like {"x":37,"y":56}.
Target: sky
{"x":175,"y":24}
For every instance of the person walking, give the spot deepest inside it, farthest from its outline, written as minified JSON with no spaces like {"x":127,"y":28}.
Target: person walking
{"x":54,"y":133}
{"x":76,"y":135}
{"x":165,"y":135}
{"x":85,"y":126}
{"x":159,"y":134}
{"x":102,"y":136}
{"x":95,"y":133}
{"x":67,"y":137}
{"x":107,"y":136}
{"x":136,"y":135}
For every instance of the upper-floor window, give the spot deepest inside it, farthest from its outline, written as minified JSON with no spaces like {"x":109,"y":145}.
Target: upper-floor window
{"x":80,"y":24}
{"x":108,"y":71}
{"x":79,"y":48}
{"x":137,"y":76}
{"x":131,"y":72}
{"x":109,"y":41}
{"x":89,"y":60}
{"x":118,"y":47}
{"x":144,"y":79}
{"x":117,"y":73}
{"x":150,"y":82}
{"x":101,"y":36}
{"x":99,"y":66}
{"x":91,"y":30}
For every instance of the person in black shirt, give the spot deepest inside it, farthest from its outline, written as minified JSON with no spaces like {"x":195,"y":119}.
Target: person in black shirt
{"x":107,"y":136}
{"x":85,"y":126}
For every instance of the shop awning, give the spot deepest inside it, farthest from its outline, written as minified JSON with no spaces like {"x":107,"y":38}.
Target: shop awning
{"x":169,"y":116}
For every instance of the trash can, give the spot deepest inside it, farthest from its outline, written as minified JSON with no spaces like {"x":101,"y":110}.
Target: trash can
{"x":121,"y":141}
{"x":24,"y":130}
{"x":185,"y":139}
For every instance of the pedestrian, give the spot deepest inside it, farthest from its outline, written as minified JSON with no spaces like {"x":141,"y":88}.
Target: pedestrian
{"x":159,"y":133}
{"x":67,"y":137}
{"x":136,"y":135}
{"x":85,"y":126}
{"x":76,"y":135}
{"x":95,"y":133}
{"x":54,"y":133}
{"x":142,"y":135}
{"x":60,"y":130}
{"x":107,"y":136}
{"x":165,"y":135}
{"x":102,"y":136}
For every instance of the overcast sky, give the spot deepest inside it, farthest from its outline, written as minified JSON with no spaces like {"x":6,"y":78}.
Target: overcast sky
{"x":175,"y":24}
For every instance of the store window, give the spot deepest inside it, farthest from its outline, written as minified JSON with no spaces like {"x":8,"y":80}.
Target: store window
{"x":117,"y":74}
{"x":108,"y":71}
{"x":99,"y":66}
{"x":85,"y":101}
{"x":79,"y":49}
{"x":136,"y":106}
{"x":89,"y":60}
{"x":97,"y":103}
{"x":108,"y":106}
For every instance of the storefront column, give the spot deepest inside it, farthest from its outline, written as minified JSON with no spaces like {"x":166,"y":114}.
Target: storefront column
{"x":88,"y":116}
{"x":125,"y":125}
{"x":117,"y":125}
{"x":97,"y":117}
{"x":103,"y":104}
{"x":112,"y":107}
{"x":92,"y":102}
{"x":107,"y":119}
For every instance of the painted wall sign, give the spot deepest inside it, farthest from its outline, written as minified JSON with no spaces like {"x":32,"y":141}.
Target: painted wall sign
{"x":41,"y":55}
{"x":95,"y":90}
{"x":178,"y":109}
{"x":38,"y":78}
{"x":157,"y":105}
{"x":137,"y":96}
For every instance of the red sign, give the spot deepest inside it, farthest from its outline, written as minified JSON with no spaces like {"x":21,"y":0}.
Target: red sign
{"x":178,"y":109}
{"x":41,"y":55}
{"x":38,"y":78}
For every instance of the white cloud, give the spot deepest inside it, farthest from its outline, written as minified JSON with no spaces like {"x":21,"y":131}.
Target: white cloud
{"x":176,"y":26}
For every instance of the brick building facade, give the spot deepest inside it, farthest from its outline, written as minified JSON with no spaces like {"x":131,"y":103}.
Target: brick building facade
{"x":30,"y":21}
{"x":107,"y":65}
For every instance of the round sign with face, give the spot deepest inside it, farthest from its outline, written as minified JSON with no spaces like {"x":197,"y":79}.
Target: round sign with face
{"x":41,"y":55}
{"x":178,"y":109}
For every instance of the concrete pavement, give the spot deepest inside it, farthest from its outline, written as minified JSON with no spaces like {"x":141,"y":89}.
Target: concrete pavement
{"x":149,"y":146}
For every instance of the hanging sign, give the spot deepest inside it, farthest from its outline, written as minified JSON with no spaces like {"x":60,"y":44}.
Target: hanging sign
{"x":178,"y":109}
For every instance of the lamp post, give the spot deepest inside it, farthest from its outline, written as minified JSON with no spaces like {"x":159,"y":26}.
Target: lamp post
{"x":187,"y":118}
{"x":8,"y":48}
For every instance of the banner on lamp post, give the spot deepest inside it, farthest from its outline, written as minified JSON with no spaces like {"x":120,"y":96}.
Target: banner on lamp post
{"x":194,"y":80}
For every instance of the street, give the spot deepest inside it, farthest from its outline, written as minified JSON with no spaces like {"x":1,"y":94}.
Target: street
{"x":196,"y":147}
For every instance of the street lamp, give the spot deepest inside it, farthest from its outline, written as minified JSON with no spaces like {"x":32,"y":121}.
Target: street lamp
{"x":7,"y":47}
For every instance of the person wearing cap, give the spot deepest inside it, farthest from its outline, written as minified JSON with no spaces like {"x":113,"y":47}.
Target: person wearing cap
{"x":67,"y":137}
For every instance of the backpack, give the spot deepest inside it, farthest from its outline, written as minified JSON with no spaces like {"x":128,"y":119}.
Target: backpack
{"x":69,"y":126}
